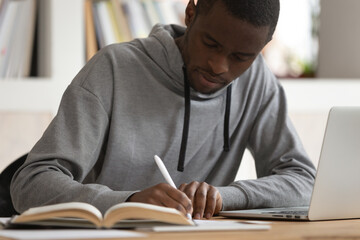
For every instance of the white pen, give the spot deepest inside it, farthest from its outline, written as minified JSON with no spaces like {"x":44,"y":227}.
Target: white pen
{"x":167,"y":176}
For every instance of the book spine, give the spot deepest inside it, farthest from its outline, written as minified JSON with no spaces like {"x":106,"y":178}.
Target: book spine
{"x":3,"y":7}
{"x":6,"y":35}
{"x":113,"y":21}
{"x":91,"y":44}
{"x":167,"y":9}
{"x":105,"y":22}
{"x":30,"y":11}
{"x":121,"y":20}
{"x":139,"y":26}
{"x":98,"y":29}
{"x":150,"y":11}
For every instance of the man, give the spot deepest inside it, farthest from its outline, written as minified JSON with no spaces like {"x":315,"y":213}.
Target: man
{"x":197,"y":97}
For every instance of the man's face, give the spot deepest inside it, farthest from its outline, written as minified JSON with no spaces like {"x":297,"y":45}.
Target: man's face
{"x":218,"y":47}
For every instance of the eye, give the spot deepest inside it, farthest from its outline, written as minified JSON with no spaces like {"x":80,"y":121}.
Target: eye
{"x":239,"y":58}
{"x":210,"y":45}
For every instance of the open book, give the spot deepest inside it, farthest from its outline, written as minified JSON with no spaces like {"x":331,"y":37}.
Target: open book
{"x":122,"y":215}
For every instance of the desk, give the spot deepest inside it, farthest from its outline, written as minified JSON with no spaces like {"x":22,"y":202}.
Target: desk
{"x":280,"y":230}
{"x":320,"y":230}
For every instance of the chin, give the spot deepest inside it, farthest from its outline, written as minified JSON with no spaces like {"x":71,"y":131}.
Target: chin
{"x":206,"y":91}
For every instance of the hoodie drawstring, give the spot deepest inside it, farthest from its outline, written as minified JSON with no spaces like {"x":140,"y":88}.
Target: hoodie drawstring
{"x":185,"y":134}
{"x":227,"y":119}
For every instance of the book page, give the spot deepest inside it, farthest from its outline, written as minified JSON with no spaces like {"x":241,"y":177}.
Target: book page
{"x":131,"y":210}
{"x":72,"y":209}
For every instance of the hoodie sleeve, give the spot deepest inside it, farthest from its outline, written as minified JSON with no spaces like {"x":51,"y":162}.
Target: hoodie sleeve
{"x":285,"y":173}
{"x":56,"y":167}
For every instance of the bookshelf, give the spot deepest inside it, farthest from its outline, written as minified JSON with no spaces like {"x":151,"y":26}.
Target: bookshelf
{"x":61,"y":56}
{"x":61,"y":51}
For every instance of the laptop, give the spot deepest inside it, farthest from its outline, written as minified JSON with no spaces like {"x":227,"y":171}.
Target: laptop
{"x":336,"y":192}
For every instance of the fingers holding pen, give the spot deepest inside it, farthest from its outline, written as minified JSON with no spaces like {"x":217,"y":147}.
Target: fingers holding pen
{"x":190,"y":190}
{"x":197,"y":194}
{"x":206,"y":199}
{"x":182,"y":200}
{"x":164,"y":195}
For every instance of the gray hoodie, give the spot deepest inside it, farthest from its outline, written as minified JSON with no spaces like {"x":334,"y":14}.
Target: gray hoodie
{"x":127,"y":104}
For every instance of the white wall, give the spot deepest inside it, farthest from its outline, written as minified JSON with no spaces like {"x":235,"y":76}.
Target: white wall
{"x":339,"y":41}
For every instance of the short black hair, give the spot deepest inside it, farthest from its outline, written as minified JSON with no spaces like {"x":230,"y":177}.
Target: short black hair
{"x":260,"y":13}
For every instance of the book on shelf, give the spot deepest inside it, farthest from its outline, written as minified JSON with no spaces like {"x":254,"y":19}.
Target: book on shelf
{"x":151,"y":12}
{"x":91,"y":43}
{"x":3,"y":7}
{"x":16,"y":37}
{"x":105,"y":23}
{"x":137,"y":19}
{"x":22,"y":43}
{"x":168,"y":11}
{"x":84,"y":215}
{"x":98,"y":27}
{"x":6,"y":31}
{"x":123,"y":20}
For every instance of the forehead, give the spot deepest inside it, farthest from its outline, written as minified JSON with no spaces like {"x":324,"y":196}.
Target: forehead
{"x":231,"y":31}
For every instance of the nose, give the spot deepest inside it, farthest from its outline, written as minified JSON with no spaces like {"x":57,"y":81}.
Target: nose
{"x":219,"y":64}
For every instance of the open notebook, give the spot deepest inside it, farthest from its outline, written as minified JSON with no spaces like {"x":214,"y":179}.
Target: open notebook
{"x":336,"y":193}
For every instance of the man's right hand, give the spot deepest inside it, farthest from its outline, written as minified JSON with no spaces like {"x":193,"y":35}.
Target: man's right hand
{"x":164,"y":195}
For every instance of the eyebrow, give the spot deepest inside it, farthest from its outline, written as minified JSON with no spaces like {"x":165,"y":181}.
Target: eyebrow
{"x":236,"y":53}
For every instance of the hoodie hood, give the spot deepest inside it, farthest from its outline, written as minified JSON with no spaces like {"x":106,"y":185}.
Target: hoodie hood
{"x":170,"y":59}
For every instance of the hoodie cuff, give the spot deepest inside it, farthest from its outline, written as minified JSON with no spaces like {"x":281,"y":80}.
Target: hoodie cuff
{"x":110,"y":198}
{"x":233,"y":198}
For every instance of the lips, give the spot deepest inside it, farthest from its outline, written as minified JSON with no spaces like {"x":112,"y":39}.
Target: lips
{"x":208,"y":78}
{"x":204,"y":82}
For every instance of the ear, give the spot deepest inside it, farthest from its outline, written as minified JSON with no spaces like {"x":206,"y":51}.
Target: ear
{"x":190,"y":12}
